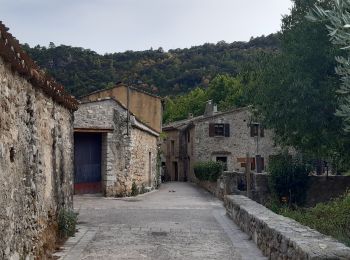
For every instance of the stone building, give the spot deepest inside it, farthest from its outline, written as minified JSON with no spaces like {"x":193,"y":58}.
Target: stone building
{"x":114,"y":146}
{"x":36,"y":153}
{"x":146,"y":106}
{"x":218,"y":136}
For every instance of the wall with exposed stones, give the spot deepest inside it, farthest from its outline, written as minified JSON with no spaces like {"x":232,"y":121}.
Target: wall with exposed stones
{"x":36,"y":166}
{"x":143,"y":158}
{"x":321,"y":188}
{"x":125,"y":148}
{"x":235,"y":146}
{"x":235,"y":183}
{"x":279,"y":237}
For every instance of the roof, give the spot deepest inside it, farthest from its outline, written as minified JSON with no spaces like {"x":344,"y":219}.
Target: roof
{"x":13,"y":54}
{"x":118,"y":85}
{"x":138,"y":123}
{"x":181,"y":124}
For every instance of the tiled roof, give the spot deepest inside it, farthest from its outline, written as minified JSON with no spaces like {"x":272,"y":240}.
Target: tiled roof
{"x":184,"y":123}
{"x":13,"y":54}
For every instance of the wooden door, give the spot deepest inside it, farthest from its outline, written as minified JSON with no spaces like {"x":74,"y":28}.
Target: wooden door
{"x":87,"y":164}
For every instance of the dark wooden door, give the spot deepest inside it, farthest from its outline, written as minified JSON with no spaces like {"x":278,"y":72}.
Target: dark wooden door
{"x":87,"y":164}
{"x":176,"y":171}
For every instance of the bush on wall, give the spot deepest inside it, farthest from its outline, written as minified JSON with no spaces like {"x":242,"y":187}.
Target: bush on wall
{"x":288,"y":179}
{"x":208,"y":171}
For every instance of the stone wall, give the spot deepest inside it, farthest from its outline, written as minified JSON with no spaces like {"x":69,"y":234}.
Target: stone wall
{"x":321,"y":188}
{"x":279,"y":237}
{"x":36,"y":166}
{"x":235,"y":146}
{"x":235,"y":183}
{"x":143,"y":159}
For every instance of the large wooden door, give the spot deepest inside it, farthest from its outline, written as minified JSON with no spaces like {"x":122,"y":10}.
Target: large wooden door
{"x":87,"y":164}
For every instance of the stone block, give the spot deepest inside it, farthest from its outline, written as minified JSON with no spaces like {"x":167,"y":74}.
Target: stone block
{"x":280,"y":237}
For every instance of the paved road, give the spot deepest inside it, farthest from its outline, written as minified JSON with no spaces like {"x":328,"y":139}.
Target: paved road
{"x":180,"y":221}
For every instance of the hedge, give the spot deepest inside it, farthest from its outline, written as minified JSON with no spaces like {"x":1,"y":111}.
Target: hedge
{"x":208,"y":171}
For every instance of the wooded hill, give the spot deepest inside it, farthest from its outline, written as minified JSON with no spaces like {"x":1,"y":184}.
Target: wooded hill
{"x":166,"y":73}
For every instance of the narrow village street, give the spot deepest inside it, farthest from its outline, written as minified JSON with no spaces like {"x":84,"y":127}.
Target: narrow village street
{"x":179,"y":221}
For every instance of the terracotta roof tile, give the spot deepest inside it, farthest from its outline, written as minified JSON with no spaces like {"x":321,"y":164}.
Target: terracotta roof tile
{"x":13,"y":54}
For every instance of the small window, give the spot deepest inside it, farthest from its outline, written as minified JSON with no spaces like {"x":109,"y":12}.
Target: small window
{"x":188,"y":137}
{"x":254,"y":130}
{"x":262,"y":131}
{"x":223,"y":160}
{"x":219,"y":130}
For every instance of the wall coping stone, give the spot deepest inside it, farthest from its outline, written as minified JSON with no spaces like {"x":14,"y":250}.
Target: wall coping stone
{"x":280,"y":237}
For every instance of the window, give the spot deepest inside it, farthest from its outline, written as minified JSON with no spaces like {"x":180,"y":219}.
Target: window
{"x":188,"y":137}
{"x":219,"y":130}
{"x":223,"y":160}
{"x":254,"y":130}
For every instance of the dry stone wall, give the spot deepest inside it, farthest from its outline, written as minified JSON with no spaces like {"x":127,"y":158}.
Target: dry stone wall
{"x":36,"y":166}
{"x":279,"y":237}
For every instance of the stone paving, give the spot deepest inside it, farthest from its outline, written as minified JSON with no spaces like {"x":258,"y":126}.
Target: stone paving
{"x":179,"y":221}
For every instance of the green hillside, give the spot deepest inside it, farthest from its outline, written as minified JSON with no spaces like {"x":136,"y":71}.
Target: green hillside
{"x":166,"y":73}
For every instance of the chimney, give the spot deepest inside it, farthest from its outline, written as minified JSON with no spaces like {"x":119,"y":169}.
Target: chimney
{"x":215,"y":108}
{"x":210,"y":108}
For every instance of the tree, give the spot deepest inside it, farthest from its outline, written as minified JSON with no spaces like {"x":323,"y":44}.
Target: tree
{"x":338,"y":26}
{"x":296,"y":90}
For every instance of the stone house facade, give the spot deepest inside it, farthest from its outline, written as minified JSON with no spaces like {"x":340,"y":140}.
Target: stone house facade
{"x":217,"y":136}
{"x":128,"y":149}
{"x":146,"y":106}
{"x":36,"y":153}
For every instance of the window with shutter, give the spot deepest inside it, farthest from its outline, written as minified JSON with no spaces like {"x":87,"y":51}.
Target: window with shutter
{"x":254,"y":128}
{"x":262,"y":131}
{"x":211,"y":130}
{"x":219,"y":130}
{"x":227,"y":130}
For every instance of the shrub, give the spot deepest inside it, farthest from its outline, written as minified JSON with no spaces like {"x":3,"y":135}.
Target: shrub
{"x":208,"y":171}
{"x":67,"y":221}
{"x":331,"y":218}
{"x":134,"y":189}
{"x":288,"y":179}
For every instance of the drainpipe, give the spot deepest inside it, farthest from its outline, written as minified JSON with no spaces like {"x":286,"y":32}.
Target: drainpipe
{"x":128,"y":110}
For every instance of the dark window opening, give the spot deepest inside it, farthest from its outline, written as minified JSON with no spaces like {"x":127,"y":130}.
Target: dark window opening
{"x":219,"y":130}
{"x":254,"y":130}
{"x":12,"y":154}
{"x":262,"y":131}
{"x":223,"y":160}
{"x":188,"y":137}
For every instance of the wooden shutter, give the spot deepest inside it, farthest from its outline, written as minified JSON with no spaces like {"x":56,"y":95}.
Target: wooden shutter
{"x":262,"y":131}
{"x":227,"y":130}
{"x":211,"y":130}
{"x":252,"y":130}
{"x":262,"y":163}
{"x":252,"y":162}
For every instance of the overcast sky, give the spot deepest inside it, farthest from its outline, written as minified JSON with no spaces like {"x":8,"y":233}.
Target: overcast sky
{"x":119,"y":25}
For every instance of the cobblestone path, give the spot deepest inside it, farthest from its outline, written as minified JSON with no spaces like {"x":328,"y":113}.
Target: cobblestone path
{"x":179,"y":221}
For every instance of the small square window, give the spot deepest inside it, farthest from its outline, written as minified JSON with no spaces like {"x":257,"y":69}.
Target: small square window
{"x":219,"y":129}
{"x":223,"y":160}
